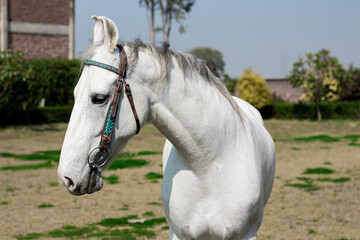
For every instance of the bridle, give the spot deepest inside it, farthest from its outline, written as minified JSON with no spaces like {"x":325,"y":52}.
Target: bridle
{"x":106,"y":133}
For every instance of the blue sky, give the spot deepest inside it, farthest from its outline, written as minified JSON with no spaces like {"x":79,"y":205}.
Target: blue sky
{"x":267,"y":35}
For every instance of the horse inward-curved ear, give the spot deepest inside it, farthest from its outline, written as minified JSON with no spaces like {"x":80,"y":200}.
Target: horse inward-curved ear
{"x":105,"y":30}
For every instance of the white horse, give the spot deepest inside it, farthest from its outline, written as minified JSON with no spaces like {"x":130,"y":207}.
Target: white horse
{"x":218,"y":161}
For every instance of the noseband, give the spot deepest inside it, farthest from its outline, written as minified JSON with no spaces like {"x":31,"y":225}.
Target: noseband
{"x":106,"y":133}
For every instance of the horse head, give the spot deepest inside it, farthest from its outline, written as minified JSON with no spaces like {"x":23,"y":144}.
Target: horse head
{"x":93,"y":95}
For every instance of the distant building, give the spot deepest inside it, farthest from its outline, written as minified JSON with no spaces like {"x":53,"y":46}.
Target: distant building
{"x":39,"y":28}
{"x":282,"y":89}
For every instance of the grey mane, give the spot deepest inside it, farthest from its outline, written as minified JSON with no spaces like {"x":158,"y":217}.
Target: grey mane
{"x":187,"y":62}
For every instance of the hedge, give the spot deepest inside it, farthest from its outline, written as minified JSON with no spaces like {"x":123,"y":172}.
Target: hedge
{"x":35,"y":116}
{"x":24,"y":83}
{"x":336,"y":110}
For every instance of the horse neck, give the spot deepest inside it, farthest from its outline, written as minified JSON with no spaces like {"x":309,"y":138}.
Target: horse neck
{"x":195,"y":117}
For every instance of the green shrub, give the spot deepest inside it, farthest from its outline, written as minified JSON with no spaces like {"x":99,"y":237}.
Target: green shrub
{"x":23,"y":83}
{"x":55,"y":80}
{"x":336,"y":110}
{"x":253,"y":89}
{"x":35,"y":115}
{"x":15,"y":73}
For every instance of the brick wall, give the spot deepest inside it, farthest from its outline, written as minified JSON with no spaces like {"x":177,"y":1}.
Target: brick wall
{"x":40,"y":46}
{"x":40,"y":28}
{"x":39,"y":11}
{"x":284,"y":90}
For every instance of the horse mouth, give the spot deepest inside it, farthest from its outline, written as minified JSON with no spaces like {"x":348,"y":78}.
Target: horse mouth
{"x":95,"y":181}
{"x":93,"y":184}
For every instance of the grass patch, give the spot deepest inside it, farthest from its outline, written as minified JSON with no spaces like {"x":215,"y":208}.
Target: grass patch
{"x":45,"y":205}
{"x":53,"y":184}
{"x":113,"y":222}
{"x":334,"y":180}
{"x":53,"y":155}
{"x":9,"y":189}
{"x":352,"y":138}
{"x":354,"y":144}
{"x":307,"y":186}
{"x":154,"y":204}
{"x":111,"y":179}
{"x":124,"y":160}
{"x":127,"y":163}
{"x":47,"y":164}
{"x":322,"y":138}
{"x":296,"y":149}
{"x":4,"y":203}
{"x":327,"y":163}
{"x":69,"y":232}
{"x":111,"y":228}
{"x":320,"y":170}
{"x":144,"y":153}
{"x":149,"y":214}
{"x":152,"y":175}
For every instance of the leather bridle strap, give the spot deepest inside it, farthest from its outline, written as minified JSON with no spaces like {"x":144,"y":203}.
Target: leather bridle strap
{"x":112,"y":110}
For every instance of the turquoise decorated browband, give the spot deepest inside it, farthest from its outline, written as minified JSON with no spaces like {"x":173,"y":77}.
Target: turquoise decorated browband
{"x":104,"y":66}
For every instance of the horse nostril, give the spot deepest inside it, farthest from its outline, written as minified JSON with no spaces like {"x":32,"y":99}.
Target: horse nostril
{"x":69,"y":183}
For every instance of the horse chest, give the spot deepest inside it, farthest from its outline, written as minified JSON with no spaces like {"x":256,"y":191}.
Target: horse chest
{"x":198,"y":209}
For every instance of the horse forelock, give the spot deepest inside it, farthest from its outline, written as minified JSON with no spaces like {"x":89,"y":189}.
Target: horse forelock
{"x":163,"y":54}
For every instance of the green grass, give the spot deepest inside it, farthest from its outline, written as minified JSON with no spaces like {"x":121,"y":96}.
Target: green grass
{"x":53,"y":184}
{"x":111,"y":179}
{"x":4,"y":203}
{"x":320,"y":170}
{"x":127,"y":163}
{"x":334,"y":180}
{"x":124,"y":160}
{"x":53,"y":155}
{"x":149,"y":214}
{"x":327,"y":139}
{"x":322,"y":138}
{"x":46,"y":164}
{"x":45,"y":205}
{"x":306,"y":186}
{"x":152,"y":175}
{"x":111,"y":228}
{"x":154,"y":204}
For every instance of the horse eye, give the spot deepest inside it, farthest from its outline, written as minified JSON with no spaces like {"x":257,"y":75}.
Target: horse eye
{"x":99,"y":99}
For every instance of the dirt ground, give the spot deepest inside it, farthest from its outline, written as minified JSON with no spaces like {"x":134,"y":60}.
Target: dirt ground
{"x":332,"y":212}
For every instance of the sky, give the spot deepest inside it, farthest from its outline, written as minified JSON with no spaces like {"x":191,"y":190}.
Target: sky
{"x":267,"y":35}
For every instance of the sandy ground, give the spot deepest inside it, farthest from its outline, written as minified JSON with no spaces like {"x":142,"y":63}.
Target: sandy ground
{"x":333,"y":212}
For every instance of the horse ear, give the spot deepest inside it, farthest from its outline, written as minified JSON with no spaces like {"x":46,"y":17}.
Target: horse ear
{"x":105,"y":30}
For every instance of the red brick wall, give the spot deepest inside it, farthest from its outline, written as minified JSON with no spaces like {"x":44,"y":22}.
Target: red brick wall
{"x":40,"y":11}
{"x":40,"y":46}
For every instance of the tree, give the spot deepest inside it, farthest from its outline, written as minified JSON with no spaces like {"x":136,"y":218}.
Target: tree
{"x":350,"y":84}
{"x":169,"y":10}
{"x":150,"y":15}
{"x":212,"y":57}
{"x":252,"y":88}
{"x":173,"y":9}
{"x":317,"y":75}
